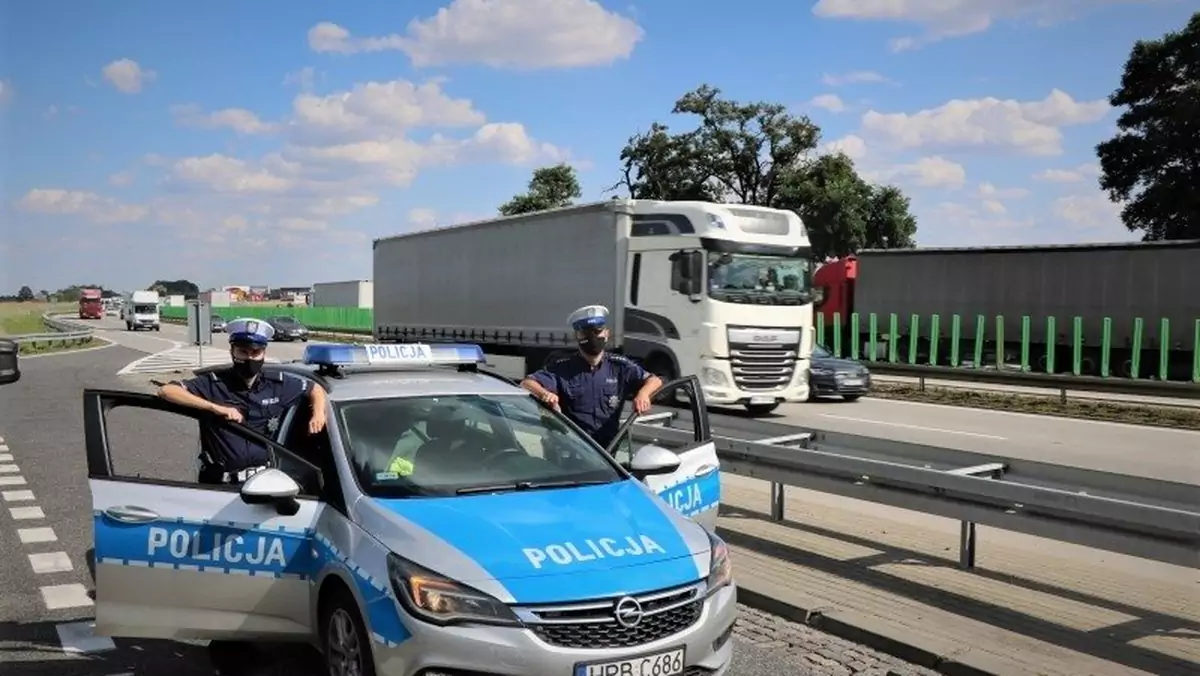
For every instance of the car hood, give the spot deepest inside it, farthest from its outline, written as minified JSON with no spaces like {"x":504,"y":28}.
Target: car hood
{"x":835,"y":364}
{"x":551,"y":545}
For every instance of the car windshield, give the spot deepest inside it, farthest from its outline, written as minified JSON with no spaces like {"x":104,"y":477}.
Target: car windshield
{"x":141,"y":309}
{"x":217,"y":318}
{"x":820,"y":352}
{"x":759,"y":279}
{"x":452,"y":445}
{"x":287,"y":321}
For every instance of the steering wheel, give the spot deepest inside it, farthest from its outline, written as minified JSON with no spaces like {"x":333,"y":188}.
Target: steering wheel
{"x":497,"y":456}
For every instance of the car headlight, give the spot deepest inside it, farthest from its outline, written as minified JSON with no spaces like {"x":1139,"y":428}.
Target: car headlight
{"x":440,"y":600}
{"x":720,"y":569}
{"x":821,"y":371}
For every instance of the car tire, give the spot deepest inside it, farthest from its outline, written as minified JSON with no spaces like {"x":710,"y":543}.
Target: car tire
{"x":759,"y":410}
{"x":344,"y":638}
{"x":304,"y":340}
{"x":851,"y":397}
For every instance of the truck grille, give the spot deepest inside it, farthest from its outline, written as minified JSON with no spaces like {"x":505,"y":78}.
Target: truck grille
{"x":762,"y":367}
{"x":593,"y":625}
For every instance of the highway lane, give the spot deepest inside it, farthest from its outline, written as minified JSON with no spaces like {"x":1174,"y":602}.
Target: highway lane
{"x":1040,"y":391}
{"x":44,"y":553}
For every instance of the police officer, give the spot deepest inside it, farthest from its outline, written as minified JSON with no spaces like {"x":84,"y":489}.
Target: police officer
{"x":590,"y":386}
{"x":242,"y":394}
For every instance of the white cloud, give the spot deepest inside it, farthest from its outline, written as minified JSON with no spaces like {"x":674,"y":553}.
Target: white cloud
{"x":943,"y":19}
{"x":987,"y":191}
{"x":222,"y":173}
{"x":1029,"y":127}
{"x":926,"y":172}
{"x":958,"y":224}
{"x":1075,"y":175}
{"x":517,"y":34}
{"x":994,"y":207}
{"x":850,"y":145}
{"x":6,"y":92}
{"x":127,"y":76}
{"x":92,"y":207}
{"x":375,"y":109}
{"x":121,"y":178}
{"x":240,"y":120}
{"x":305,"y":78}
{"x":830,"y":102}
{"x":855,"y":77}
{"x":1092,"y":213}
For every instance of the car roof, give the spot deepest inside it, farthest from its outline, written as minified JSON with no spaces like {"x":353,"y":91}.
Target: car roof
{"x":358,"y":384}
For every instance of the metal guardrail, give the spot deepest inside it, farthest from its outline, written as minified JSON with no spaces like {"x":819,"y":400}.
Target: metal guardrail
{"x":1147,"y":518}
{"x":1055,"y":381}
{"x":64,"y":333}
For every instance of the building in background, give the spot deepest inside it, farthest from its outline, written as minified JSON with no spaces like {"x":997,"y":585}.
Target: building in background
{"x":354,"y":293}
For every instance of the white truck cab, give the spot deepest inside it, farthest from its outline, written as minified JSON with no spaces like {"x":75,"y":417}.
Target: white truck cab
{"x":141,"y":311}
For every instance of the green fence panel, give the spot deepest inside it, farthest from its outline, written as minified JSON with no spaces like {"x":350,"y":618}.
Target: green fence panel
{"x":1077,"y":345}
{"x":1025,"y":330}
{"x":873,"y":328}
{"x":1051,"y":343}
{"x":980,"y":332}
{"x":854,"y":336}
{"x":914,"y":333}
{"x":955,"y":336}
{"x":1164,"y":349}
{"x":934,"y":339}
{"x":893,"y":329}
{"x":1135,"y":367}
{"x":1106,"y":348}
{"x":1196,"y":354}
{"x":320,"y":318}
{"x":821,"y":329}
{"x":837,"y":335}
{"x":1000,"y":342}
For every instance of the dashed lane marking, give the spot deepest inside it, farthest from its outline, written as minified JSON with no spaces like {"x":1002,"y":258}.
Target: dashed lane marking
{"x":26,"y":513}
{"x":6,"y":457}
{"x":50,"y":562}
{"x":9,"y":469}
{"x":12,"y":481}
{"x":179,"y":358}
{"x":61,"y":596}
{"x":31,"y":536}
{"x":16,"y":496}
{"x":81,"y":638}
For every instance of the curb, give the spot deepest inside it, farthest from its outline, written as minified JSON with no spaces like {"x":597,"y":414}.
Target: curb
{"x":873,"y":634}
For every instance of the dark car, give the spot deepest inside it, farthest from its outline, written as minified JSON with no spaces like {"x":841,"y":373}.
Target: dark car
{"x":218,"y":323}
{"x":829,"y":375}
{"x":287,"y":328}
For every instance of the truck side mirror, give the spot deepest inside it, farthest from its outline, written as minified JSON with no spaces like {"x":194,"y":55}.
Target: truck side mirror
{"x":10,"y":370}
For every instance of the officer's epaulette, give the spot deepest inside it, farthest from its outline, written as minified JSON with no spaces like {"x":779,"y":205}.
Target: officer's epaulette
{"x":620,"y":358}
{"x":562,"y":360}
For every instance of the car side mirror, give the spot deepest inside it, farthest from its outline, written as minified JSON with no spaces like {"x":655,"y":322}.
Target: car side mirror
{"x":651,"y":460}
{"x":10,"y":369}
{"x":272,"y":487}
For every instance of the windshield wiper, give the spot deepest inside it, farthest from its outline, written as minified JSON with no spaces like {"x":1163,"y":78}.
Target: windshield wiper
{"x":526,"y":486}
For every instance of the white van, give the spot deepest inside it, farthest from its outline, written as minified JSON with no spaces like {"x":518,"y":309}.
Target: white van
{"x":140,"y":311}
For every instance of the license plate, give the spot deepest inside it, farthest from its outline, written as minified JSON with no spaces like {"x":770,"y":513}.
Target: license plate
{"x":668,"y":663}
{"x":853,"y":382}
{"x":762,"y":400}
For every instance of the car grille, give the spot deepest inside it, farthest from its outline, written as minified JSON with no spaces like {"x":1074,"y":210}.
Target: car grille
{"x":593,"y":624}
{"x":762,"y":366}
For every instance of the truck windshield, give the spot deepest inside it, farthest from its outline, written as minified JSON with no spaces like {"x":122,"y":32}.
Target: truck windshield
{"x":456,"y":445}
{"x":759,"y":279}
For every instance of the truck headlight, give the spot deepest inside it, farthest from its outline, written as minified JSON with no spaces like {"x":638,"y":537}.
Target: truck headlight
{"x":720,"y":569}
{"x":713,"y":377}
{"x":439,"y":600}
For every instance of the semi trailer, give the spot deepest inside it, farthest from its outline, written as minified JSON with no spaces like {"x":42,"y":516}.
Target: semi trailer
{"x":1144,"y":296}
{"x":722,"y":291}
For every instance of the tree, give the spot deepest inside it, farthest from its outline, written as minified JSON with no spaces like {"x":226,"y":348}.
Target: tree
{"x":758,"y":153}
{"x":1153,"y":163}
{"x":179,"y":287}
{"x":550,"y":188}
{"x":25,"y":294}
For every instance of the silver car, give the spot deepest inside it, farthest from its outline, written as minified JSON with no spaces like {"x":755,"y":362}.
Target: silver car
{"x":444,"y":523}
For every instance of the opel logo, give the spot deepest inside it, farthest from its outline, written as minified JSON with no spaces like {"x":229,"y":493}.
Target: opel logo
{"x":628,"y":612}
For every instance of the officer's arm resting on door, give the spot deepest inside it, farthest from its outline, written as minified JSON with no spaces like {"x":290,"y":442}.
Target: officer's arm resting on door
{"x":544,"y":378}
{"x":194,"y":392}
{"x":638,"y":380}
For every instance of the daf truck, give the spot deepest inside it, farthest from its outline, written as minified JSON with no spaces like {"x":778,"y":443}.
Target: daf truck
{"x":91,"y":304}
{"x":722,"y":291}
{"x":141,"y":311}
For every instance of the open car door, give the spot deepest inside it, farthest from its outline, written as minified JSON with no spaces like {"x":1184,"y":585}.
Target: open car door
{"x":180,"y":560}
{"x":694,"y":488}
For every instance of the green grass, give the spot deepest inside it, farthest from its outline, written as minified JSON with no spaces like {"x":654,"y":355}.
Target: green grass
{"x":17,"y":319}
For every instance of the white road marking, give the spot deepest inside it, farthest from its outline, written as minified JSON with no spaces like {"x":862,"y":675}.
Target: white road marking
{"x":6,"y":457}
{"x":26,"y":513}
{"x":922,"y":428}
{"x":30,"y":536}
{"x":9,"y":469}
{"x":81,"y":638}
{"x":12,"y":481}
{"x":17,"y":496}
{"x":65,"y":596}
{"x":1043,"y":417}
{"x":50,"y":562}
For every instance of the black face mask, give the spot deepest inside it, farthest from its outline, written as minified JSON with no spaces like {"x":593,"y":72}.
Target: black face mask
{"x":593,"y":345}
{"x":247,"y":368}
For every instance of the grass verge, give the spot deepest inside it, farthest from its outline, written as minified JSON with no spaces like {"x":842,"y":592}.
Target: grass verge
{"x":48,"y":348}
{"x":1087,"y":409}
{"x":17,"y":319}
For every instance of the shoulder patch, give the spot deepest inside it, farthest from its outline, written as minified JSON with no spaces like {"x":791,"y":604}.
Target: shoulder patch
{"x":562,"y":360}
{"x":620,"y":358}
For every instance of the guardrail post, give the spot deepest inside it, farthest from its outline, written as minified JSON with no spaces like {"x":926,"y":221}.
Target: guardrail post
{"x":934,"y":339}
{"x":777,"y":501}
{"x":980,"y":332}
{"x":1106,"y":348}
{"x":892,"y":330}
{"x":1077,"y":345}
{"x":855,"y":336}
{"x":1135,"y":366}
{"x":837,"y":335}
{"x":873,"y":329}
{"x":914,"y":336}
{"x":1051,"y":343}
{"x":1164,"y":350}
{"x":966,"y":545}
{"x":1025,"y":323}
{"x":955,"y":337}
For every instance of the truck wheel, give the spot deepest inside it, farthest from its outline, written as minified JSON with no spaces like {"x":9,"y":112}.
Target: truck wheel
{"x":759,"y":410}
{"x":344,"y":639}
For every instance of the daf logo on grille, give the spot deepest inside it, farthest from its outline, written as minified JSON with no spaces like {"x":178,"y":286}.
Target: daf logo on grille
{"x":765,"y":339}
{"x":628,"y":612}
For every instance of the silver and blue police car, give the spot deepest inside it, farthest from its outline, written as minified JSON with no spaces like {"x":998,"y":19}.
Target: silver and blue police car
{"x":444,"y":524}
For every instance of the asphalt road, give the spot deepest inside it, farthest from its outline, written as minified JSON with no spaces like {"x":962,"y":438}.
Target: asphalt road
{"x":45,"y":538}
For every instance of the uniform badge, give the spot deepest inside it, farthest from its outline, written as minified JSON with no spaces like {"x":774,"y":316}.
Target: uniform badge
{"x":251,"y":327}
{"x":613,"y":400}
{"x":273,"y":425}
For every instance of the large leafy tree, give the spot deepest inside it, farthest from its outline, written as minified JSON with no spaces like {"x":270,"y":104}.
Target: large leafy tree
{"x":550,"y":188}
{"x":758,"y":153}
{"x":1153,"y":163}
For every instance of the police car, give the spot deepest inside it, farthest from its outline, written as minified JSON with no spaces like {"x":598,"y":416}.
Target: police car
{"x":445,"y":523}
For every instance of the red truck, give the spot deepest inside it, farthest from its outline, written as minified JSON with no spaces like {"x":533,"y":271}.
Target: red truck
{"x":1104,"y":285}
{"x":90,"y":304}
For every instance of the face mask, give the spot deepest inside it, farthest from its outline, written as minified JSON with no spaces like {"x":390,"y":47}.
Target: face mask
{"x":593,"y":345}
{"x":247,"y":368}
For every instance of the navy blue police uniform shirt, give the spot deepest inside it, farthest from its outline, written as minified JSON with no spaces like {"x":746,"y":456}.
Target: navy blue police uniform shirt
{"x":593,"y":399}
{"x":263,"y":406}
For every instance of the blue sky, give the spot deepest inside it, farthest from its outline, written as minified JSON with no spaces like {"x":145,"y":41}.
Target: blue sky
{"x":270,"y":142}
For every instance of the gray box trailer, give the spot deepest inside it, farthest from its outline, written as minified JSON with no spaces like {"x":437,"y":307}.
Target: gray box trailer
{"x":1151,"y":281}
{"x":506,"y":281}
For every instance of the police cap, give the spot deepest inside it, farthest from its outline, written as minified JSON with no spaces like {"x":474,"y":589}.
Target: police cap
{"x":251,"y":331}
{"x":588,"y":317}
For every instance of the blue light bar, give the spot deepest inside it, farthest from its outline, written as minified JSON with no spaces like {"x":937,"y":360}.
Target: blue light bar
{"x":393,"y":354}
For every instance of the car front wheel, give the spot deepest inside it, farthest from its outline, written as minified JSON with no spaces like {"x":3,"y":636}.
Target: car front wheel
{"x":344,"y":638}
